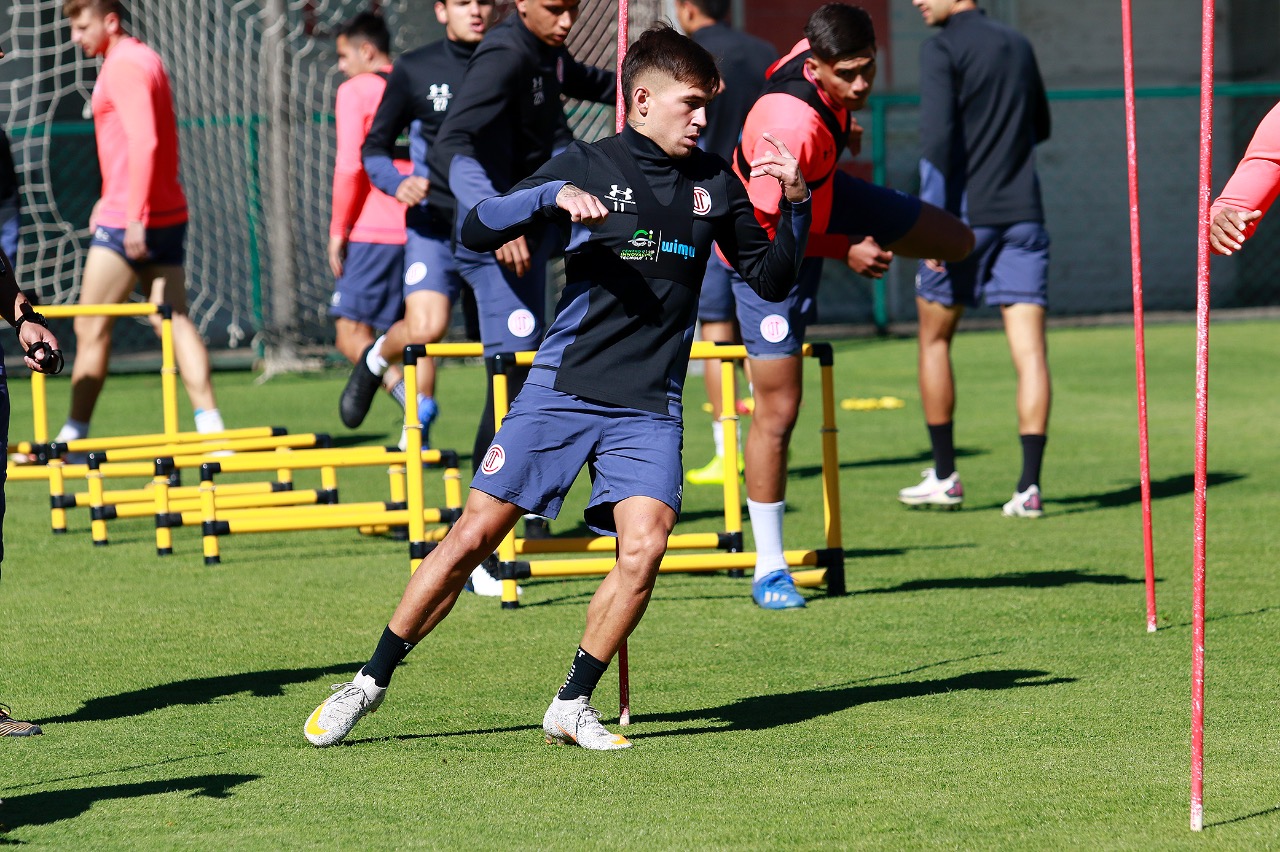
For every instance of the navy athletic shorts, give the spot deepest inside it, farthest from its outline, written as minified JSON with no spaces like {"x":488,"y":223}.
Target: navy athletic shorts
{"x":716,"y":302}
{"x":166,"y":246}
{"x":1009,"y":266}
{"x":858,"y":209}
{"x":512,"y":310}
{"x":9,"y":237}
{"x":369,"y":289}
{"x":549,"y":435}
{"x":429,"y":265}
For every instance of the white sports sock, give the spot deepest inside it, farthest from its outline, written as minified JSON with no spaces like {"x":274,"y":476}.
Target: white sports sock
{"x":72,"y":430}
{"x":766,"y":527}
{"x":209,"y":420}
{"x":717,"y":435}
{"x":374,"y":360}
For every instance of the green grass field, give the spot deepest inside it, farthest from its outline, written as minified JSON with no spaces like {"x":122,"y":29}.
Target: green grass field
{"x":987,"y":683}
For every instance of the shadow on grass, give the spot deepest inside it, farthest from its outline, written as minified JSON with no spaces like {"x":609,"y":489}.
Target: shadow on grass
{"x":922,"y":458}
{"x":763,"y":712}
{"x":1255,"y":815}
{"x":1011,"y":580}
{"x":1223,"y":617}
{"x":199,"y":690}
{"x":114,"y":771}
{"x":35,"y":809}
{"x":1161,"y":489}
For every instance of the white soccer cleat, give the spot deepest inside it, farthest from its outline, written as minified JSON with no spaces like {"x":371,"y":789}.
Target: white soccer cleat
{"x":1025,"y":504}
{"x":576,"y":722}
{"x":329,"y":723}
{"x":485,"y":584}
{"x":933,"y":491}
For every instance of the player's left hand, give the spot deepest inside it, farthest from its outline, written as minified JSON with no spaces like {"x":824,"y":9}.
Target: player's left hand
{"x":868,"y":258}
{"x":135,"y":241}
{"x":30,"y":336}
{"x":515,"y":256}
{"x":782,"y":166}
{"x":855,"y":137}
{"x":337,"y":255}
{"x":581,"y":205}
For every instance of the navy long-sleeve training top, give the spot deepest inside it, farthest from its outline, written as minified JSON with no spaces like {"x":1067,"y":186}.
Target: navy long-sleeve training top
{"x":983,"y":110}
{"x":625,"y":321}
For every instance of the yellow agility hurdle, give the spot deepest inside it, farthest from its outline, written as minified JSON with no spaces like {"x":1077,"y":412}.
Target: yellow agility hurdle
{"x":409,"y":512}
{"x":826,"y":564}
{"x":168,"y":364}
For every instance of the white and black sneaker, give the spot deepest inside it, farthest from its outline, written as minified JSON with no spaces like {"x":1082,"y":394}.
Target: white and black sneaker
{"x":329,"y":723}
{"x":933,"y":491}
{"x":576,"y":722}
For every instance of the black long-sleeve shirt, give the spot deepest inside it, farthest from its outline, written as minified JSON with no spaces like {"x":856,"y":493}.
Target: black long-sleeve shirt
{"x":742,"y":59}
{"x":420,"y":89}
{"x":983,"y":110}
{"x":625,"y":321}
{"x":507,"y":119}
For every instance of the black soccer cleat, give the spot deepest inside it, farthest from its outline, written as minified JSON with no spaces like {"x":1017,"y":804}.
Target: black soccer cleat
{"x":357,"y":396}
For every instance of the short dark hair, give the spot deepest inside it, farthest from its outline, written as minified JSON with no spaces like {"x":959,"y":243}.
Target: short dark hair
{"x":72,"y":8}
{"x":370,"y":27}
{"x":716,"y":9}
{"x":838,"y":30}
{"x":662,"y":49}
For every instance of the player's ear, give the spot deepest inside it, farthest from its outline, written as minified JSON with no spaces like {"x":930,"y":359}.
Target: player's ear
{"x":441,"y":17}
{"x":111,"y":22}
{"x":641,"y":98}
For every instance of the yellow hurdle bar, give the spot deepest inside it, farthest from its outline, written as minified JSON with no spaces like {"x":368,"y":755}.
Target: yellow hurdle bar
{"x":688,"y":562}
{"x":168,"y":368}
{"x":119,"y":442}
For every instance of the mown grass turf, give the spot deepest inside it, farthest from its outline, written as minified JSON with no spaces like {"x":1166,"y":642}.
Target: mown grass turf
{"x":986,"y":683}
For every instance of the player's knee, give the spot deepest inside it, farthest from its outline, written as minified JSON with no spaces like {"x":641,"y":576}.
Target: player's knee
{"x":470,"y":538}
{"x":644,"y":548}
{"x":427,"y":328}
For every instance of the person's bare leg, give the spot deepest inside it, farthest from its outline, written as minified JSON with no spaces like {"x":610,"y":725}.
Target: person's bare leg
{"x":426,"y":320}
{"x":435,"y":586}
{"x":715,"y":332}
{"x":776,"y":383}
{"x":1024,"y":326}
{"x":108,"y":279}
{"x":169,"y":284}
{"x":644,"y":525}
{"x":937,"y":380}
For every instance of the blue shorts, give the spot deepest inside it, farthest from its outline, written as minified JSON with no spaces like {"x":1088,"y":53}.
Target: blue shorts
{"x":512,"y":310}
{"x":165,"y":246}
{"x":858,"y":209}
{"x":429,"y":266}
{"x":1009,"y":266}
{"x":369,"y":289}
{"x":716,"y":302}
{"x":9,"y":237}
{"x":549,"y":435}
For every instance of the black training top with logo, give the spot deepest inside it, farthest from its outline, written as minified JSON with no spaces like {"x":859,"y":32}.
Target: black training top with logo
{"x":624,"y":324}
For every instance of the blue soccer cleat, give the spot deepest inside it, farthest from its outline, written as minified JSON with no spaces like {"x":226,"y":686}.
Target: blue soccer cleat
{"x":777,"y":591}
{"x":428,"y":411}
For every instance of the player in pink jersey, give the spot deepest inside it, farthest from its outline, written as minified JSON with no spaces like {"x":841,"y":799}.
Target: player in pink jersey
{"x":1250,"y":191}
{"x":366,"y":231}
{"x":139,"y":223}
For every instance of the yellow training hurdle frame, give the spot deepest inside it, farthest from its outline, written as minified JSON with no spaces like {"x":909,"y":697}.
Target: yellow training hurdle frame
{"x":828,"y":561}
{"x":168,"y":364}
{"x":57,"y":472}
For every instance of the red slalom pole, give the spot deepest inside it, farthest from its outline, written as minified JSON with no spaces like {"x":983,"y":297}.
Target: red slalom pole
{"x":624,"y":669}
{"x":1139,"y":333}
{"x":1202,"y":420}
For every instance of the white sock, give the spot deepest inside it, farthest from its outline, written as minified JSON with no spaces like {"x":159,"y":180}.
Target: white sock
{"x":766,"y":527}
{"x":209,"y":420}
{"x":72,"y":430}
{"x":374,"y":360}
{"x":717,"y":435}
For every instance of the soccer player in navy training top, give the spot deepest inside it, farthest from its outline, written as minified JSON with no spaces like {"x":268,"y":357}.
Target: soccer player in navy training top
{"x":983,"y":110}
{"x":606,"y":383}
{"x":419,"y":92}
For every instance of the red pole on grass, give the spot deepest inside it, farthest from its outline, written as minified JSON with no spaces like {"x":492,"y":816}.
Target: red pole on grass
{"x":1202,"y":419}
{"x":624,"y":672}
{"x":1139,"y":333}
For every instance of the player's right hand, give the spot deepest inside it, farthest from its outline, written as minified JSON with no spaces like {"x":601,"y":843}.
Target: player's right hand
{"x":413,"y":190}
{"x":1227,"y":231}
{"x":581,"y":206}
{"x":515,"y":256}
{"x":868,"y":258}
{"x":337,"y":255}
{"x":855,"y":137}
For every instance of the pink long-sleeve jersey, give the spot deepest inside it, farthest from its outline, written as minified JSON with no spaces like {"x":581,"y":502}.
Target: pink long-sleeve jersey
{"x":137,"y":136}
{"x":1256,"y":181}
{"x":360,"y":212}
